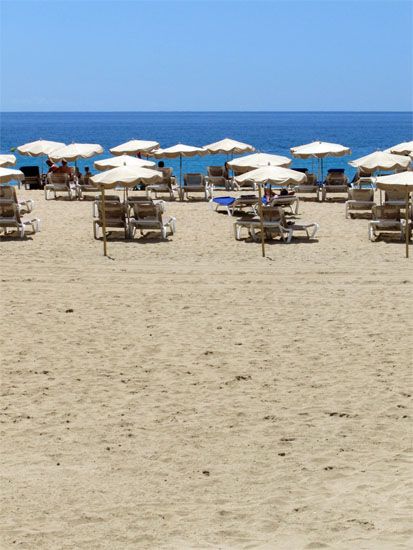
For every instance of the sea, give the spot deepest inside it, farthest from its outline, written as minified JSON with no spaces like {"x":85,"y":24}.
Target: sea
{"x":269,"y":132}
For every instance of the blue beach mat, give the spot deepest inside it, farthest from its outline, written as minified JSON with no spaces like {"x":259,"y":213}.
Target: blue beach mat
{"x":224,"y":201}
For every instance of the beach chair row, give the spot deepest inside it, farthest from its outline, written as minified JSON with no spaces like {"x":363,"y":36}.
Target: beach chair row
{"x":136,"y":214}
{"x":12,"y":211}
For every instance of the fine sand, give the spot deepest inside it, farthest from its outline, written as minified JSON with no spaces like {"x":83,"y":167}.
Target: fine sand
{"x":191,"y":394}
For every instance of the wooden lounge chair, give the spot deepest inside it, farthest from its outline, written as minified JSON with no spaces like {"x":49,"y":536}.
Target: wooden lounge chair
{"x":195,"y":183}
{"x":274,"y":222}
{"x":115,"y":217}
{"x":10,"y":218}
{"x":8,"y":192}
{"x":167,"y":185}
{"x":386,"y":219}
{"x":235,"y":204}
{"x":149,"y":217}
{"x":108,"y":198}
{"x":60,"y":183}
{"x":310,"y":186}
{"x":335,"y":182}
{"x":360,"y":200}
{"x":395,"y":197}
{"x":286,"y":201}
{"x":32,"y":178}
{"x":217,"y":177}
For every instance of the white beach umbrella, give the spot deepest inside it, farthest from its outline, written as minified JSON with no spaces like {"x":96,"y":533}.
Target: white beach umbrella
{"x":273,"y":175}
{"x":256,"y":160}
{"x":8,"y":174}
{"x":380,"y":160}
{"x":7,"y":160}
{"x":76,"y":151}
{"x":122,"y":160}
{"x":39,"y":148}
{"x":228,"y":146}
{"x":403,"y":181}
{"x":320,"y":150}
{"x":405,"y":148}
{"x":179,"y":150}
{"x":125,"y":176}
{"x":134,"y":146}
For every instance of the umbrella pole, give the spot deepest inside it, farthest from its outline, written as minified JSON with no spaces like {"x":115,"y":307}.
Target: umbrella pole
{"x":261,"y":220}
{"x":407,"y":235}
{"x":180,"y":170}
{"x":102,"y":196}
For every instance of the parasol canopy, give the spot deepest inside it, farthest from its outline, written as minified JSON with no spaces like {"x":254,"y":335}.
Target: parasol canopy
{"x":8,"y":174}
{"x":380,"y":160}
{"x":256,"y":160}
{"x":228,"y":146}
{"x":405,"y":148}
{"x":76,"y":151}
{"x":179,"y":150}
{"x":39,"y":148}
{"x":126,"y":176}
{"x":274,"y":175}
{"x":320,"y":149}
{"x":7,"y":160}
{"x":134,"y":146}
{"x":122,"y":160}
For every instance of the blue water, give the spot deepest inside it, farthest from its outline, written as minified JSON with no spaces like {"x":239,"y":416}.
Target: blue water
{"x":271,"y":132}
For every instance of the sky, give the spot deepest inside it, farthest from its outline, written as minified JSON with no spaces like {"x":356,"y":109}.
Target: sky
{"x":270,"y":55}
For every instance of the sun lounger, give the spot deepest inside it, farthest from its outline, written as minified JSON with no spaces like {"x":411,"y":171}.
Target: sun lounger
{"x":167,"y":185}
{"x":286,"y":201}
{"x":8,"y":192}
{"x":233,"y":204}
{"x":115,"y":216}
{"x":149,"y":217}
{"x":85,"y":185}
{"x":60,"y":183}
{"x":359,"y":200}
{"x":310,"y":186}
{"x":195,"y":183}
{"x":32,"y":178}
{"x":108,"y":198}
{"x":394,"y":197}
{"x":386,"y":219}
{"x":274,"y":221}
{"x":217,"y":177}
{"x":335,"y":182}
{"x":10,"y":218}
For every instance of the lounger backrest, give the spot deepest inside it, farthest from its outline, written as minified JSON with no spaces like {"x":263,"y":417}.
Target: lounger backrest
{"x":216,"y":171}
{"x":145,"y":211}
{"x":273,"y":214}
{"x":361,"y":194}
{"x":395,"y":195}
{"x":8,"y":192}
{"x":311,"y":179}
{"x":57,"y":178}
{"x":336,"y":178}
{"x":114,"y":210}
{"x":193,"y":179}
{"x":30,"y":171}
{"x":9,"y":210}
{"x":386,"y":212}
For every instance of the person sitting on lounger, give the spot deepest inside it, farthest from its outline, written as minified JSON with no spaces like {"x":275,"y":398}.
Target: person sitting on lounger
{"x":52,"y":166}
{"x":65,"y":169}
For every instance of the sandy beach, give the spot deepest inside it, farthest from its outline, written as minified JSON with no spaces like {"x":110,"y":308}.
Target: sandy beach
{"x":191,"y":394}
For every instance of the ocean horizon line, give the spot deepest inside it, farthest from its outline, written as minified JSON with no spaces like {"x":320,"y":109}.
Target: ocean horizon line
{"x":211,"y":111}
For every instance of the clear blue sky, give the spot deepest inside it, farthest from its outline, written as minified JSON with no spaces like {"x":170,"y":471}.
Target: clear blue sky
{"x":206,"y":55}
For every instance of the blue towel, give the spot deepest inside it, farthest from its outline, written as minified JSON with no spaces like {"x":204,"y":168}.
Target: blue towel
{"x":224,"y":201}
